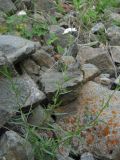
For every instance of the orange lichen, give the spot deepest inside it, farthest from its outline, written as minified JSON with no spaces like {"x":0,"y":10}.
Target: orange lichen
{"x":90,"y":139}
{"x":106,"y":131}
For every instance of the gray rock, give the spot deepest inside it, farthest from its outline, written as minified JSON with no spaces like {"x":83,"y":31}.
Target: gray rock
{"x":15,"y":93}
{"x":115,"y":17}
{"x":7,"y":6}
{"x":103,"y":139}
{"x":16,"y":48}
{"x":51,"y":81}
{"x":115,"y":51}
{"x":114,"y":35}
{"x":62,"y":40}
{"x":42,"y":58}
{"x":95,"y":97}
{"x":31,"y":68}
{"x":39,"y":116}
{"x":45,"y":5}
{"x":90,"y":71}
{"x":98,"y":28}
{"x":60,"y":157}
{"x":104,"y":79}
{"x":96,"y":56}
{"x":14,"y":147}
{"x":87,"y":156}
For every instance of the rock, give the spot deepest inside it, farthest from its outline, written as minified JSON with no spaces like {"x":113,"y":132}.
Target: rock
{"x":87,"y":156}
{"x":61,"y":41}
{"x":52,"y":81}
{"x":39,"y":116}
{"x":98,"y":28}
{"x":115,"y":51}
{"x":31,"y":68}
{"x":27,"y":95}
{"x":90,"y":71}
{"x":116,"y":83}
{"x":42,"y":58}
{"x":16,"y":48}
{"x":105,"y":141}
{"x":73,"y":50}
{"x":115,"y":17}
{"x":113,"y":34}
{"x":14,"y":147}
{"x":104,"y":79}
{"x":7,"y":6}
{"x":67,"y":60}
{"x":60,"y":157}
{"x":45,"y":5}
{"x":2,"y":18}
{"x":49,"y":49}
{"x":96,"y":56}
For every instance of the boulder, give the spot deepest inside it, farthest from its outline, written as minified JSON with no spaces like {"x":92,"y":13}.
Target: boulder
{"x":60,"y":40}
{"x":45,"y":5}
{"x":115,"y":51}
{"x":16,"y":48}
{"x":102,"y":138}
{"x":14,"y":147}
{"x":17,"y":92}
{"x":113,"y":34}
{"x":53,"y":81}
{"x":98,"y":28}
{"x":31,"y":68}
{"x":7,"y":6}
{"x":39,"y":116}
{"x":90,"y":71}
{"x":42,"y":58}
{"x":87,"y":156}
{"x":97,"y":56}
{"x":104,"y":141}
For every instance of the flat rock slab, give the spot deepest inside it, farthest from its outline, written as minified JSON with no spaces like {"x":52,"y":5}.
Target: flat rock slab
{"x":15,"y":93}
{"x":103,"y":139}
{"x":7,"y":6}
{"x":16,"y":48}
{"x":51,"y":81}
{"x":97,"y":56}
{"x":14,"y":147}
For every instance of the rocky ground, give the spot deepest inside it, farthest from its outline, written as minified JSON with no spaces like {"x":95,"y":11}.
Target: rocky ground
{"x":59,"y":82}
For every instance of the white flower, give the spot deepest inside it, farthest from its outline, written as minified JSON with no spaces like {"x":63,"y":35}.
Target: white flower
{"x":93,"y":7}
{"x":69,"y":30}
{"x":22,"y":13}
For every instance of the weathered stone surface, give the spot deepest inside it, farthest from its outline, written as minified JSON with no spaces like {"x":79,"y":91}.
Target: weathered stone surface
{"x":45,"y":5}
{"x":14,"y":147}
{"x":42,"y":58}
{"x":106,"y":138}
{"x":114,"y":35}
{"x":67,"y":60}
{"x":27,"y":94}
{"x":31,"y":68}
{"x":7,"y":6}
{"x":98,"y":28}
{"x":16,"y":48}
{"x":115,"y":17}
{"x":96,"y":56}
{"x":52,"y":80}
{"x":60,"y":157}
{"x":103,"y":79}
{"x":62,"y":40}
{"x":115,"y":51}
{"x":39,"y":116}
{"x":103,"y":140}
{"x":87,"y":156}
{"x":91,"y":71}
